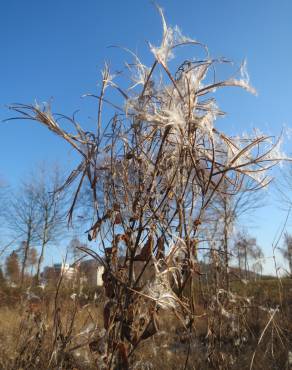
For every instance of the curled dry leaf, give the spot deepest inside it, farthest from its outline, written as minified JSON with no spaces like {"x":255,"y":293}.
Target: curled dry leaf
{"x":146,"y":251}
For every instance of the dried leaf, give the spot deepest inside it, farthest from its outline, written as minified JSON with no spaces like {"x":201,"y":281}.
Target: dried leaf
{"x":146,"y":251}
{"x":118,"y":219}
{"x":123,"y":356}
{"x":151,"y":328}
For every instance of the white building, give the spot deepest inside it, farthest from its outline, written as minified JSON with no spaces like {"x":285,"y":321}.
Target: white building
{"x":91,"y":272}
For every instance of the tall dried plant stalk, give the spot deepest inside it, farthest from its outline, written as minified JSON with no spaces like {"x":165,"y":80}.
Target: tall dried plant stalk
{"x":154,"y":170}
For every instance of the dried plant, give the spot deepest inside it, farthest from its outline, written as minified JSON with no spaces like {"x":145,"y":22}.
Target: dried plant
{"x":154,"y":170}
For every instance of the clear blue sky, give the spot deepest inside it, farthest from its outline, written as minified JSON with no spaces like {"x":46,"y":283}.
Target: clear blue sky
{"x":57,"y":48}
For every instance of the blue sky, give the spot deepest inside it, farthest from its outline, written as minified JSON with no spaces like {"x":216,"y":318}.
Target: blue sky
{"x":55,"y":50}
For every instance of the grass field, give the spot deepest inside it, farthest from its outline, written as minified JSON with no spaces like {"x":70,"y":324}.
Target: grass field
{"x":63,"y":332}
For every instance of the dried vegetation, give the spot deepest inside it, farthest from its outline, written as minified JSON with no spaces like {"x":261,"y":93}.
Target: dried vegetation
{"x":154,"y":170}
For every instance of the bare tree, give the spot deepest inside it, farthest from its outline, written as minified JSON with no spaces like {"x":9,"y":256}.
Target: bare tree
{"x":287,"y":250}
{"x":75,"y":248}
{"x":32,"y":259}
{"x":50,"y":207}
{"x":226,"y":212}
{"x":246,"y":249}
{"x":23,"y":218}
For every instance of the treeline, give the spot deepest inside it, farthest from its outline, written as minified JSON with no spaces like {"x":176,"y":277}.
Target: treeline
{"x":34,"y":218}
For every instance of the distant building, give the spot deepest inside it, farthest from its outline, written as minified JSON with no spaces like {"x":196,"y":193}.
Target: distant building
{"x":58,"y":269}
{"x":88,"y":273}
{"x":91,"y":273}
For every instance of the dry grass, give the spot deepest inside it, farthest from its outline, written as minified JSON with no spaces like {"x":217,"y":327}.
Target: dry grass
{"x":30,"y":339}
{"x":41,"y":335}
